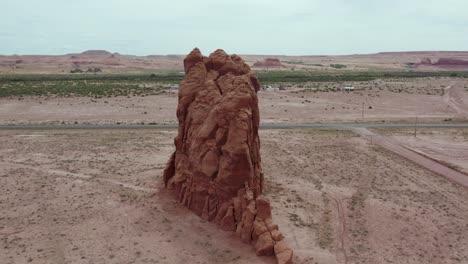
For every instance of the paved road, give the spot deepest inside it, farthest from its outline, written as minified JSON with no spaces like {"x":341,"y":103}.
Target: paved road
{"x":262,"y":126}
{"x":417,"y":158}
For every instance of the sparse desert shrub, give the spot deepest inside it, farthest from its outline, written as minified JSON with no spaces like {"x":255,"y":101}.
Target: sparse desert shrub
{"x":94,"y":70}
{"x":338,"y":66}
{"x":76,"y":70}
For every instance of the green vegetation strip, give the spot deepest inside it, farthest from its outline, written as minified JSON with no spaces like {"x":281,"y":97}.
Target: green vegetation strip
{"x":298,"y":77}
{"x":138,"y":84}
{"x":78,"y":88}
{"x":84,"y":84}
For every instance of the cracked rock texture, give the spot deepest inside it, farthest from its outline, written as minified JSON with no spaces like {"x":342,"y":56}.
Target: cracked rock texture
{"x":216,"y":168}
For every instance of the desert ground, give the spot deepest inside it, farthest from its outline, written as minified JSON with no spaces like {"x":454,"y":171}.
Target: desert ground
{"x":428,"y":99}
{"x":95,"y":196}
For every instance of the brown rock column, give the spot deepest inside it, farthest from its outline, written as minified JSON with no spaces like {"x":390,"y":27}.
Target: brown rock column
{"x":217,"y":147}
{"x":216,"y":169}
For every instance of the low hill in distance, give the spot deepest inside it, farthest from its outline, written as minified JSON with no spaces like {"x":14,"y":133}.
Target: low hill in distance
{"x":114,"y":62}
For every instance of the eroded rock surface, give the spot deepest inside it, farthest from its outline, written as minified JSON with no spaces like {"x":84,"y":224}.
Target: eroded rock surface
{"x":216,"y":168}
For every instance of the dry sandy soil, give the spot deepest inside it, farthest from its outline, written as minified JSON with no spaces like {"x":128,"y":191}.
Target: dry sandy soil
{"x":390,"y":100}
{"x":94,"y":196}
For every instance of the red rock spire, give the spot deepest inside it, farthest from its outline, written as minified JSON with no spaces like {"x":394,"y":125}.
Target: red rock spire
{"x":216,"y":169}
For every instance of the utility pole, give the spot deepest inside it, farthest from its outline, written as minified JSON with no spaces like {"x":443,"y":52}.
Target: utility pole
{"x":362,"y":109}
{"x":415,"y":122}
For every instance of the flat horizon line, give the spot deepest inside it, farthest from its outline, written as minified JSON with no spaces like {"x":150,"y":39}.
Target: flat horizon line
{"x":246,"y":54}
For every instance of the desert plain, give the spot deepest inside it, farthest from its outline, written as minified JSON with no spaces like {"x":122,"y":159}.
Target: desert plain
{"x":96,"y":195}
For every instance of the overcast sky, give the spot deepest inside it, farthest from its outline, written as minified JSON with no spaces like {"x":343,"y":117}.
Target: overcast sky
{"x":292,"y":27}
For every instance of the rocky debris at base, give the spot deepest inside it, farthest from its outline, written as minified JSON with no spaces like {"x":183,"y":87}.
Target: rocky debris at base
{"x":251,"y":220}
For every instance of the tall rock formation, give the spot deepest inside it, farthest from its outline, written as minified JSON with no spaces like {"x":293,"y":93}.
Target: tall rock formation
{"x":216,"y":169}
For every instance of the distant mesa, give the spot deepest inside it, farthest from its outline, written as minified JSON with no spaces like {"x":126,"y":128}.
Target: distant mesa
{"x":91,"y":53}
{"x":451,"y":62}
{"x":173,"y":56}
{"x":443,"y":63}
{"x":96,"y":53}
{"x":268,"y":62}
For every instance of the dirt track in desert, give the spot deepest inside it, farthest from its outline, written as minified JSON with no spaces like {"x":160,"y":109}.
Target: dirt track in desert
{"x":85,"y":197}
{"x":426,"y":162}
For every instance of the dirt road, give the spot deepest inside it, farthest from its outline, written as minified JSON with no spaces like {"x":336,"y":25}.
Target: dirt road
{"x":453,"y":99}
{"x":428,"y":163}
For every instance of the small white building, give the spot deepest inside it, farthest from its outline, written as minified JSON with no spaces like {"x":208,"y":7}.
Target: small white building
{"x":345,"y":89}
{"x":269,"y":88}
